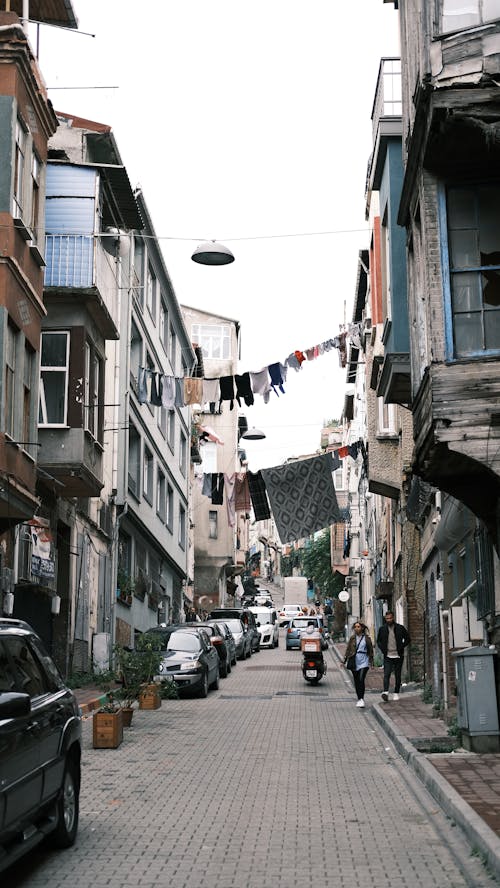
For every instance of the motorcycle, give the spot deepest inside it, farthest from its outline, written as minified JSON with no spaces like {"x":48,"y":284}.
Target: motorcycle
{"x":313,"y":663}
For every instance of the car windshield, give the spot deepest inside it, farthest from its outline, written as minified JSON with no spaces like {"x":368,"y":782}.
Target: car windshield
{"x":234,"y":625}
{"x":262,"y":616}
{"x":302,"y":624}
{"x":183,"y":641}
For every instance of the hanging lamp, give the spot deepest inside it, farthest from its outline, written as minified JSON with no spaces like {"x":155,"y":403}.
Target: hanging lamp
{"x":212,"y":253}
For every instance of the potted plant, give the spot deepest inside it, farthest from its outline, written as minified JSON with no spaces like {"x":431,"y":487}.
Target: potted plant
{"x":148,"y":648}
{"x":107,"y":724}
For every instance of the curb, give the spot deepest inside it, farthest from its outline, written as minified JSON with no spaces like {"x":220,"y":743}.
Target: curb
{"x":454,"y":806}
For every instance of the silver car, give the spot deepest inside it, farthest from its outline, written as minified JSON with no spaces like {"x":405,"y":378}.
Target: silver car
{"x":242,"y":638}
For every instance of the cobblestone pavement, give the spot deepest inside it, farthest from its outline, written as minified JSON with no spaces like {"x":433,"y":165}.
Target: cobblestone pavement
{"x":267,"y":782}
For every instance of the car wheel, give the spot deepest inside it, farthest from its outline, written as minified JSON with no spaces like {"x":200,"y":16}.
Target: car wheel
{"x":249,"y":652}
{"x":67,"y":807}
{"x":203,"y":692}
{"x":215,"y":684}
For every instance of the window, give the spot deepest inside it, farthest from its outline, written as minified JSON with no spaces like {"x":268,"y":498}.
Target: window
{"x":170,"y":507}
{"x":10,"y":371}
{"x":171,"y":430}
{"x":134,"y":460}
{"x":19,"y":167}
{"x":147,"y":486}
{"x":27,"y":393}
{"x":461,"y":14}
{"x":35,"y":195}
{"x":183,"y":453}
{"x":213,"y":339}
{"x":138,"y":272}
{"x":386,"y":418}
{"x":212,"y":524}
{"x":135,"y":356}
{"x":92,"y":387}
{"x":385,"y":262}
{"x":172,"y":346}
{"x":163,"y":420}
{"x":160,"y":495}
{"x":54,"y":367}
{"x":151,"y":293}
{"x":182,"y":527}
{"x":164,"y":324}
{"x":473,"y":249}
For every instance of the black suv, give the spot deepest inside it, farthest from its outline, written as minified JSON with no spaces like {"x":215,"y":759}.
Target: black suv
{"x":247,"y":618}
{"x":40,"y":747}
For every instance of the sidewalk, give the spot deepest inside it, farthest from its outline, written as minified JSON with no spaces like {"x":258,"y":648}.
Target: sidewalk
{"x":466,"y":785}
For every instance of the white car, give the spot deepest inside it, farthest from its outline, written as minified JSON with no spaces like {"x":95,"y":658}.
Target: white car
{"x":288,"y":612}
{"x":267,"y":624}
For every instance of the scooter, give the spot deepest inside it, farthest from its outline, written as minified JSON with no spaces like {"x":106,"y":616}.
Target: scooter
{"x":313,"y":666}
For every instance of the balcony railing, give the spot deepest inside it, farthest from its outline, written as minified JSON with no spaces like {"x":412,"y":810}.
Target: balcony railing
{"x":70,"y":260}
{"x":387,"y":101}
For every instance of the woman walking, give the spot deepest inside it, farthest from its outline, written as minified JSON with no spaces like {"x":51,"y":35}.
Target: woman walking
{"x":358,"y":658}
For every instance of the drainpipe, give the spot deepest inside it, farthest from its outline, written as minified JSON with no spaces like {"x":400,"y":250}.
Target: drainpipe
{"x":114,"y":571}
{"x":444,"y":662}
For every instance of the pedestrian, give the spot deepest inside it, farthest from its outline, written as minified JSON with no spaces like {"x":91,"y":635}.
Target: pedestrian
{"x":392,"y":638}
{"x":360,"y":649}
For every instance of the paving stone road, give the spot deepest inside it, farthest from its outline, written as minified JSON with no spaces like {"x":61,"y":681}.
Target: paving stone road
{"x":268,"y":783}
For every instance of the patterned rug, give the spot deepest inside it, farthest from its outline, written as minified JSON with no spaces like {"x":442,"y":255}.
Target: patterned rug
{"x":302,"y":497}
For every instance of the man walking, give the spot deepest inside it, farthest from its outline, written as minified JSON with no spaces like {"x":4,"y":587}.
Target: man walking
{"x":392,"y":638}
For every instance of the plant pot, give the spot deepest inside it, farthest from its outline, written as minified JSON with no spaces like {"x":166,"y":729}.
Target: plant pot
{"x":107,"y":729}
{"x":150,"y":697}
{"x":127,"y":713}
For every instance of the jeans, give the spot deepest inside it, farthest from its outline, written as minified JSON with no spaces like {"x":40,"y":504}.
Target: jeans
{"x":359,"y":681}
{"x":393,"y":664}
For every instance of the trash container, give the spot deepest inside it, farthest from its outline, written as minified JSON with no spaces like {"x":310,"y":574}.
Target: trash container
{"x":477,"y":707}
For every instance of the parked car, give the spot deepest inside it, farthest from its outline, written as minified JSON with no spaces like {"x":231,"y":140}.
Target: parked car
{"x":288,"y":612}
{"x":267,"y":625}
{"x":247,"y":618}
{"x":242,"y":638}
{"x":217,"y":636}
{"x":40,"y":747}
{"x":189,"y":659}
{"x":229,"y":637}
{"x":297,"y":626}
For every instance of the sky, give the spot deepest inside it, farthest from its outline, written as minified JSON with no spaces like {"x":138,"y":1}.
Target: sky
{"x":248,"y":123}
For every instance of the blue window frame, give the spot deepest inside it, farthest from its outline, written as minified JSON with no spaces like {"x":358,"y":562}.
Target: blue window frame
{"x":470,"y":227}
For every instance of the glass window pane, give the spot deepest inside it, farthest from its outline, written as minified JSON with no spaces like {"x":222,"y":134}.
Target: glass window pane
{"x":459,"y":14}
{"x":461,"y":208}
{"x":468,"y":334}
{"x":492,"y":330}
{"x":54,"y":385}
{"x":54,"y":349}
{"x":464,"y":250}
{"x":491,"y":288}
{"x":466,"y":294}
{"x":489,"y":216}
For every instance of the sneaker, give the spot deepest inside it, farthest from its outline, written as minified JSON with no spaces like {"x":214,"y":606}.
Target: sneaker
{"x":395,"y":696}
{"x":360,"y":703}
{"x":385,"y":696}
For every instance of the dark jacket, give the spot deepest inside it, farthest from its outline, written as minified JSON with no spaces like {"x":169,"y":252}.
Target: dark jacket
{"x":351,"y":647}
{"x":402,"y":638}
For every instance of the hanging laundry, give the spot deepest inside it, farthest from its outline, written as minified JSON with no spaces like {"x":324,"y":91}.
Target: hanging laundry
{"x":211,"y":391}
{"x":208,"y":434}
{"x":230,"y":493}
{"x":353,"y":449}
{"x":226,"y":390}
{"x":198,"y":369}
{"x":156,"y":389}
{"x":310,"y":353}
{"x":335,"y":461}
{"x":168,"y":392}
{"x":292,"y":361}
{"x":242,"y":495}
{"x":179,"y":392}
{"x":261,"y":384}
{"x":206,"y":487}
{"x":244,"y":389}
{"x":300,"y":357}
{"x":258,"y":496}
{"x":276,"y":377}
{"x":343,"y":452}
{"x":143,"y":385}
{"x":193,"y":390}
{"x":217,"y":488}
{"x":302,"y":497}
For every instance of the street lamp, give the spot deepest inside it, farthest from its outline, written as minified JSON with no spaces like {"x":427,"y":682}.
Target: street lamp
{"x":212,"y":253}
{"x":253,"y":434}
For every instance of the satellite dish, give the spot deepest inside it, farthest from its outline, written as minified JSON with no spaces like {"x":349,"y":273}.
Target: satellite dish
{"x":344,"y":595}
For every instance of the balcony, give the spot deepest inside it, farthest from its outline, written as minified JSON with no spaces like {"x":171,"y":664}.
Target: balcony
{"x":77,"y":265}
{"x":73,"y":458}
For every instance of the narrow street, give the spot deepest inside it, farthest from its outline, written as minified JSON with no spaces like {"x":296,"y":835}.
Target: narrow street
{"x":267,"y":782}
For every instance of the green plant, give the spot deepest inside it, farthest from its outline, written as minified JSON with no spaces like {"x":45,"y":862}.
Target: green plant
{"x":111,"y":705}
{"x":137,"y":667}
{"x":168,"y":689}
{"x":453,"y":728}
{"x":124,"y":582}
{"x":427,"y":695}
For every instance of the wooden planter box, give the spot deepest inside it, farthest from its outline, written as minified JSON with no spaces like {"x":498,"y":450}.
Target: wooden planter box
{"x":150,"y":698}
{"x":107,"y":729}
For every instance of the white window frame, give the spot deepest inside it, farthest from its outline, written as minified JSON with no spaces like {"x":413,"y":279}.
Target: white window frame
{"x":148,"y":475}
{"x":386,"y":418}
{"x":62,"y":369}
{"x":213,"y":339}
{"x":182,"y":526}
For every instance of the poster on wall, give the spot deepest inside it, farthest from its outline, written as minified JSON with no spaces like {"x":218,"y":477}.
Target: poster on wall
{"x":42,"y":562}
